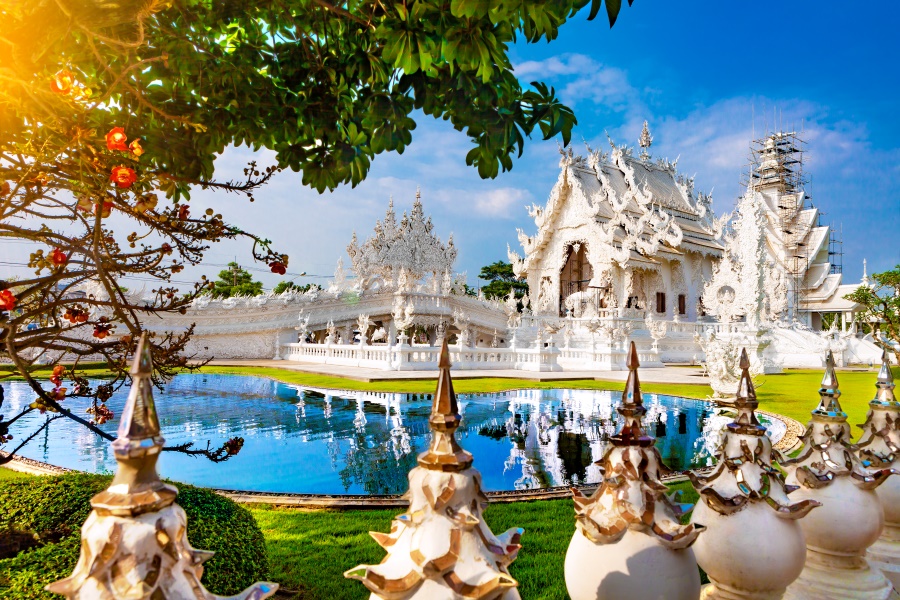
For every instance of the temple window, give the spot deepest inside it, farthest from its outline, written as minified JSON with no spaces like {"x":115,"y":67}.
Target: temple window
{"x":660,"y":302}
{"x":682,"y":304}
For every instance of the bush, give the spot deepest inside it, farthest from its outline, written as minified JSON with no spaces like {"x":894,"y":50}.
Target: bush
{"x":54,"y":508}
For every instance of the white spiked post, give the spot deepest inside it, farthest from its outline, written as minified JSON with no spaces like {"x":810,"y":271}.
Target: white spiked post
{"x":879,"y":447}
{"x":850,"y":520}
{"x":628,"y":540}
{"x":441,"y":548}
{"x":753,"y":547}
{"x":134,"y":543}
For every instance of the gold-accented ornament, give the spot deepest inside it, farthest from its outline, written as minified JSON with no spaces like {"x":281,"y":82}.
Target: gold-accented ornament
{"x":879,"y":447}
{"x":441,"y":548}
{"x":629,"y":541}
{"x":134,"y":543}
{"x":850,"y":520}
{"x":754,"y":546}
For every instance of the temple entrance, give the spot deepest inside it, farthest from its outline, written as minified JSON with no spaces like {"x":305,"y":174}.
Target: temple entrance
{"x":575,"y":274}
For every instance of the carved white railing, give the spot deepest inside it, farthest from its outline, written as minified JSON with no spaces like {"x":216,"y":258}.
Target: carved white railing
{"x":423,"y":358}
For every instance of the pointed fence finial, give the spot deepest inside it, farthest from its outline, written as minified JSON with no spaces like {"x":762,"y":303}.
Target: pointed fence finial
{"x":632,"y":407}
{"x":136,"y":488}
{"x":885,"y":383}
{"x":746,"y":403}
{"x":445,"y":453}
{"x":829,"y":405}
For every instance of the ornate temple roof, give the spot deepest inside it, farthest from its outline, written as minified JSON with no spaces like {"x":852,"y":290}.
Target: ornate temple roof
{"x":642,"y":207}
{"x":409,"y":245}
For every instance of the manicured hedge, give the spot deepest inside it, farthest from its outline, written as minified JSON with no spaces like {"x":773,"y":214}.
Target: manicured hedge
{"x":54,"y":508}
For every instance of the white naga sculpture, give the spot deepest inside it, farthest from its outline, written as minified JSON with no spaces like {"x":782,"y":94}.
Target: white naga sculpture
{"x":134,"y":543}
{"x":441,"y":548}
{"x":879,"y":447}
{"x":850,"y":520}
{"x":753,"y":547}
{"x":628,"y":541}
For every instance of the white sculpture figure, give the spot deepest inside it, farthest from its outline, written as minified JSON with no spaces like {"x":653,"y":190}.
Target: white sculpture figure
{"x":331,"y":338}
{"x":403,"y":316}
{"x":722,"y":360}
{"x":441,"y":549}
{"x":879,"y":447}
{"x":362,"y":325}
{"x":134,"y":543}
{"x":379,"y":335}
{"x":628,"y":542}
{"x":302,"y":327}
{"x":850,"y":519}
{"x":753,"y":547}
{"x":339,"y":284}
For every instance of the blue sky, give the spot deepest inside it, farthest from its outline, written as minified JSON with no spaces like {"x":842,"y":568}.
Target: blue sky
{"x":699,"y":72}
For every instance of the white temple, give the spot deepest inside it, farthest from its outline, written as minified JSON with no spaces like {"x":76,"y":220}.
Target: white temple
{"x":625,"y":250}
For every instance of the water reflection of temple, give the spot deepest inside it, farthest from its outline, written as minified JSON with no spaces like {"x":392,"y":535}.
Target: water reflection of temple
{"x":326,"y":441}
{"x":551,"y":437}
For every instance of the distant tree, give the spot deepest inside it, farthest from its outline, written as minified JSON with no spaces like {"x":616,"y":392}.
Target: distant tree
{"x":235,"y":281}
{"x":881,"y":303}
{"x":284,"y":286}
{"x":502,"y":280}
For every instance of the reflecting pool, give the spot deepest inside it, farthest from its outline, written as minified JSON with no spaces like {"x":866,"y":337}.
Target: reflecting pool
{"x":307,"y":440}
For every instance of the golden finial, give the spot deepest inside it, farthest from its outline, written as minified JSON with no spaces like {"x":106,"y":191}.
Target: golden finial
{"x":746,"y":403}
{"x":885,"y":383}
{"x":829,"y":406}
{"x":445,"y":454}
{"x":632,"y":407}
{"x":136,"y":488}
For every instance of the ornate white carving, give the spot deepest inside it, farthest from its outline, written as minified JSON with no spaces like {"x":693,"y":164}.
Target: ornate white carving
{"x":408,"y":245}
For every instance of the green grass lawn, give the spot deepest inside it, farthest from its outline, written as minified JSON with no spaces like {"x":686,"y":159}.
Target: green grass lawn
{"x":310,"y":550}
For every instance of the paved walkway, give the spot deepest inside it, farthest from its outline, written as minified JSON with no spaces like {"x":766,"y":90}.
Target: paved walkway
{"x":689,"y":375}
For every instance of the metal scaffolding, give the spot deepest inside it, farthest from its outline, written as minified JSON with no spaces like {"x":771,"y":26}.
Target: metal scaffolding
{"x":776,"y":164}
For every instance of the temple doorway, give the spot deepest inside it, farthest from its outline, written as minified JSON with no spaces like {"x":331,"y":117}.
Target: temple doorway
{"x":575,"y":274}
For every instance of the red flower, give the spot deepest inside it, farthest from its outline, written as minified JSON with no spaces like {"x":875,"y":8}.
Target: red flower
{"x":278,"y":267}
{"x":166,"y":248}
{"x":136,"y":148}
{"x":7,"y":300}
{"x":123,"y":177}
{"x":58,"y":394}
{"x":58,"y":372}
{"x":4,"y":188}
{"x":234,"y":445}
{"x":102,"y":329}
{"x":101,"y":413}
{"x":62,"y":82}
{"x":184,"y":211}
{"x":58,"y":257}
{"x":116,"y":138}
{"x":105,"y":209}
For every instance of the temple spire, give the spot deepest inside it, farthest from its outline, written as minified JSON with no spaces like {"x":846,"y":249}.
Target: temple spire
{"x":829,"y":406}
{"x":645,"y":141}
{"x":444,"y":453}
{"x":865,"y":277}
